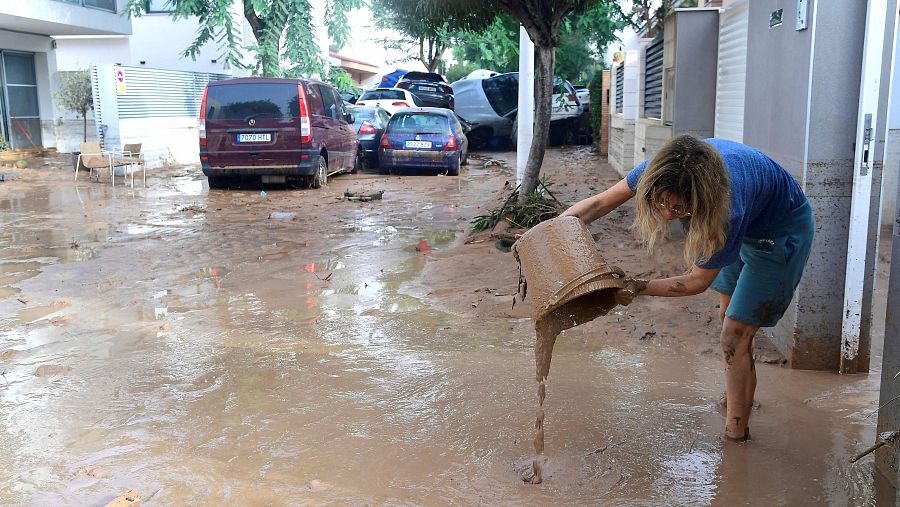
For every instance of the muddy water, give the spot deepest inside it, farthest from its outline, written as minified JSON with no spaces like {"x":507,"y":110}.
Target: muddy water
{"x":212,"y":363}
{"x":571,"y":284}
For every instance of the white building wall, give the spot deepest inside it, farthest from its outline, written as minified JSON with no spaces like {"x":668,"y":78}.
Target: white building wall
{"x":892,"y":157}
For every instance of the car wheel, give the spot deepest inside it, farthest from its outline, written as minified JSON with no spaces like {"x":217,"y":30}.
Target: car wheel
{"x":217,"y":181}
{"x":465,"y":158}
{"x":320,"y":179}
{"x":514,"y":134}
{"x":361,"y":163}
{"x":455,"y":172}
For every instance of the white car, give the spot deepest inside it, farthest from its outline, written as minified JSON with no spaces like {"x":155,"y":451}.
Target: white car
{"x":389,"y":99}
{"x":584,"y":96}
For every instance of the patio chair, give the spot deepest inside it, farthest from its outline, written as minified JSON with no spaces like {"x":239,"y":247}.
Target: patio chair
{"x":93,"y":157}
{"x":130,"y":157}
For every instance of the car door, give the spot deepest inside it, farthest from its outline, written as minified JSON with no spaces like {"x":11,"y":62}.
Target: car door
{"x":345,"y":134}
{"x":331,"y":135}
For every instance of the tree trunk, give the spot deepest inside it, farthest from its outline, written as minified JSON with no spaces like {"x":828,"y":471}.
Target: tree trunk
{"x":546,"y":60}
{"x":84,"y":117}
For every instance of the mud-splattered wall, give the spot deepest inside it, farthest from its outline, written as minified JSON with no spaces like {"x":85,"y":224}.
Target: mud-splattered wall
{"x":801,"y":108}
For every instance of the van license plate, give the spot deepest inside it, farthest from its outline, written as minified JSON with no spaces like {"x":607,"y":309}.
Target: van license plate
{"x":254,"y":138}
{"x":417,"y":144}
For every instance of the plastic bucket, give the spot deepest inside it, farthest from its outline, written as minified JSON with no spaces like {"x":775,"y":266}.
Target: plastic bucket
{"x":567,"y":278}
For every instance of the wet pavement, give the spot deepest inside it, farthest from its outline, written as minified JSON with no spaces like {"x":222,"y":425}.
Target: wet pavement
{"x":180,"y":342}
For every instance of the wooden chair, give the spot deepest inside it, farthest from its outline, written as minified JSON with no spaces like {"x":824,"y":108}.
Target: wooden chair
{"x":93,"y":157}
{"x":130,"y":157}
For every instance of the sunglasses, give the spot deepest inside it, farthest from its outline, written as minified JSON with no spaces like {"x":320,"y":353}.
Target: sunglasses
{"x":679,"y":210}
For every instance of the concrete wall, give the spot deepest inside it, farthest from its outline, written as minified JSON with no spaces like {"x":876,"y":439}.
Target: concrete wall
{"x":604,"y":114}
{"x":802,"y":112}
{"x":621,"y":144}
{"x":158,"y":42}
{"x":696,"y":59}
{"x":52,"y":17}
{"x":649,"y":136}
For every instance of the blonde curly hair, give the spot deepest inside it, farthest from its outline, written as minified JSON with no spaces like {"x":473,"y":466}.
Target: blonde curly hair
{"x":693,"y":170}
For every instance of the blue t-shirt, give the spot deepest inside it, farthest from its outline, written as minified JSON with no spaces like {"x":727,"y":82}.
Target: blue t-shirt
{"x":762,"y":193}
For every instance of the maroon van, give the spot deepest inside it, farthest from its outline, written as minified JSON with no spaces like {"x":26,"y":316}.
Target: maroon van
{"x":278,"y":129}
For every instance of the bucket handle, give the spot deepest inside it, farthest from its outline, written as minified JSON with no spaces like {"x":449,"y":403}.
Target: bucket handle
{"x":585,"y":277}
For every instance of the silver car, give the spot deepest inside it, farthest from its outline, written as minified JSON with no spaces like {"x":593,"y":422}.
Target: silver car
{"x":491,"y":104}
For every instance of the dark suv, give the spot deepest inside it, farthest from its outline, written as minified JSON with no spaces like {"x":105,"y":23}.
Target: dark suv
{"x":276,"y":129}
{"x":429,"y":89}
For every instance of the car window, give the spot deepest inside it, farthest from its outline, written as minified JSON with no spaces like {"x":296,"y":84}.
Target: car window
{"x":502,"y":92}
{"x":383,"y":95}
{"x":314,"y":101}
{"x":328,"y":101}
{"x":360,"y":115}
{"x":419,"y":123}
{"x":339,"y":111}
{"x":257,"y":100}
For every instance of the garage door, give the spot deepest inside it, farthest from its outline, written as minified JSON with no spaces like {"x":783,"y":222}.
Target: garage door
{"x":732,"y":71}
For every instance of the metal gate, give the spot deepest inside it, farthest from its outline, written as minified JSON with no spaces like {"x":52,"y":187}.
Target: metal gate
{"x":653,"y":79}
{"x":620,"y":85}
{"x":732,"y":71}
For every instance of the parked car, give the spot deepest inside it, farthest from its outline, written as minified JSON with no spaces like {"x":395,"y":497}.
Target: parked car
{"x":491,"y":105}
{"x":277,"y":129}
{"x":429,"y":88}
{"x":424,"y":137}
{"x":369,"y":123}
{"x":389,"y":99}
{"x":584,"y":96}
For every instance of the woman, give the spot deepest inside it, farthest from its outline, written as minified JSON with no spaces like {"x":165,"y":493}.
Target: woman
{"x":750,"y":230}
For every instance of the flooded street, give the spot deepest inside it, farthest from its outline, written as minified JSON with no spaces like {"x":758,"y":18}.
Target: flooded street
{"x":191,"y":345}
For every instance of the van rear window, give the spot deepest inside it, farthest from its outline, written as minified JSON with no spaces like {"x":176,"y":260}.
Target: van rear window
{"x":252,"y":100}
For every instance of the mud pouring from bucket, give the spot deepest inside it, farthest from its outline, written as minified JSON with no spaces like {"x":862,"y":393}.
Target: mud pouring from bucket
{"x":570,"y":284}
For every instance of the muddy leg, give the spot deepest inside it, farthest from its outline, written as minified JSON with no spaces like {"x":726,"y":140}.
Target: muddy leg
{"x":740,"y":375}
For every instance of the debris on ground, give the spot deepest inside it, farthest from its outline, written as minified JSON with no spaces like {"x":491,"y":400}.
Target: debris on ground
{"x":193,"y":208}
{"x":353,"y":196}
{"x":540,"y":205}
{"x":494,"y":163}
{"x":282,"y":215}
{"x":46,"y":370}
{"x":96,"y":472}
{"x":423,"y":246}
{"x":130,"y":498}
{"x":9,"y":176}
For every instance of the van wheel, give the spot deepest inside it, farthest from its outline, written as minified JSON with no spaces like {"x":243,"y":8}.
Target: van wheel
{"x":320,"y":179}
{"x":217,"y":181}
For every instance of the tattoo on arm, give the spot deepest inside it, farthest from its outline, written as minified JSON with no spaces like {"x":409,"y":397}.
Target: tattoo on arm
{"x":678,"y":288}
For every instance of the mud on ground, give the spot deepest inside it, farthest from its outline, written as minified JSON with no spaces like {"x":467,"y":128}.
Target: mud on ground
{"x":207,"y":347}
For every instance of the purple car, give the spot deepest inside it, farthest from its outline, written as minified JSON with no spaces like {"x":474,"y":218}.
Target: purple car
{"x":423,"y":138}
{"x":275,"y":129}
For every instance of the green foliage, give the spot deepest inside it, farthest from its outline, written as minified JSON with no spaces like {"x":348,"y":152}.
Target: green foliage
{"x":420,"y":36}
{"x":283,"y":30}
{"x":75,"y":94}
{"x":4,"y":144}
{"x":596,"y":89}
{"x":341,"y":80}
{"x":459,"y":71}
{"x":583,"y":39}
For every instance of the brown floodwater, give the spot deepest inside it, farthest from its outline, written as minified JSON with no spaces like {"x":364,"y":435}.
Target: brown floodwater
{"x":181,"y":343}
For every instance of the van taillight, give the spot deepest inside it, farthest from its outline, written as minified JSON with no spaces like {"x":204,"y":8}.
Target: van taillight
{"x":451,"y":144}
{"x":305,"y":124}
{"x":201,"y":128}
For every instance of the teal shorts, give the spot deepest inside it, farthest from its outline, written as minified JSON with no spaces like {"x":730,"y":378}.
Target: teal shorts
{"x":762,"y":280}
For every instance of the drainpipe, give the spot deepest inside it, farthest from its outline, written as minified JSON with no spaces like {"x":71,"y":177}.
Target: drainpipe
{"x":525,"y":133}
{"x":867,"y":120}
